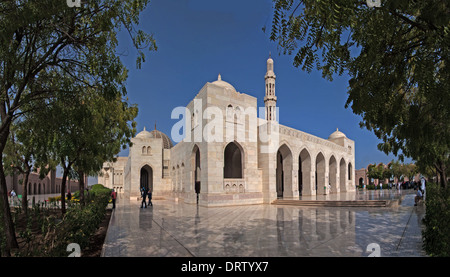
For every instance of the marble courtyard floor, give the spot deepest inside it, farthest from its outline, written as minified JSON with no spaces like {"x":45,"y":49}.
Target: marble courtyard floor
{"x":174,"y":229}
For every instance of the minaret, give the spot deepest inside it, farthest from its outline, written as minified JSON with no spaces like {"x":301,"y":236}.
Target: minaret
{"x":270,"y":100}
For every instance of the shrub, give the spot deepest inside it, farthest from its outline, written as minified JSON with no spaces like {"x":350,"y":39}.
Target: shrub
{"x":99,"y":187}
{"x":370,"y":186}
{"x":55,"y":232}
{"x":79,"y":224}
{"x":436,"y":235}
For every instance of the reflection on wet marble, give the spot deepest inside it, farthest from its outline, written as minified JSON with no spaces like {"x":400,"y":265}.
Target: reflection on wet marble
{"x":174,"y":229}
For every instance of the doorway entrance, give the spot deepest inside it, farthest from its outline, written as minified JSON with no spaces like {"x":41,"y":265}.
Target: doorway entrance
{"x":146,"y":180}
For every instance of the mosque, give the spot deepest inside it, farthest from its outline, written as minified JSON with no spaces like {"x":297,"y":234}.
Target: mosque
{"x":234,"y":159}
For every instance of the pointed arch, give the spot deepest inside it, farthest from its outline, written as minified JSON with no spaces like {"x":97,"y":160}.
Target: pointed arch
{"x":320,"y":173}
{"x":304,"y":171}
{"x":182,"y":183}
{"x":196,"y":169}
{"x":343,"y":175}
{"x":332,"y":174}
{"x":146,"y":177}
{"x":233,"y":161}
{"x":284,"y":171}
{"x":350,"y":169}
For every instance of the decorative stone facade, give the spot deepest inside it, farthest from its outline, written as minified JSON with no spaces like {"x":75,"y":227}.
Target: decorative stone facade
{"x":236,"y":158}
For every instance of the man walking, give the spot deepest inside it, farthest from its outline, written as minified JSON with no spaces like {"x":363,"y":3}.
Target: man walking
{"x":144,"y":197}
{"x":113,"y":198}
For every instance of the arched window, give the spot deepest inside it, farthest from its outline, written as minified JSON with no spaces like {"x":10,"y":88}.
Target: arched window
{"x":144,"y":150}
{"x":232,"y":161}
{"x":350,"y":171}
{"x":149,"y":150}
{"x":230,"y":113}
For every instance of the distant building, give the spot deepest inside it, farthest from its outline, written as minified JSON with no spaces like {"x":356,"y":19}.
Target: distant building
{"x":361,"y":177}
{"x":50,"y":184}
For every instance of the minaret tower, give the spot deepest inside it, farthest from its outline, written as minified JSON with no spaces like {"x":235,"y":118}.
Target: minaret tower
{"x":270,"y":100}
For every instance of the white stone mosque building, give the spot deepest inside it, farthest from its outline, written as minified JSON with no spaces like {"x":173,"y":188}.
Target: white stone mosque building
{"x":243,"y":160}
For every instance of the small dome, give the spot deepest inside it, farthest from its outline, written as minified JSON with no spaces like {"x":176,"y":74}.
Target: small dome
{"x":337,"y":134}
{"x":223,"y":84}
{"x":144,"y":134}
{"x":167,"y":142}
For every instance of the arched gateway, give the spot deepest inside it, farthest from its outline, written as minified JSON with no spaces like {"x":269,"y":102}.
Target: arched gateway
{"x":146,"y":179}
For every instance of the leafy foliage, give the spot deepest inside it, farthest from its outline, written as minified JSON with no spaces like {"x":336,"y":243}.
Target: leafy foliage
{"x":56,"y":57}
{"x":394,"y":169}
{"x":375,"y":171}
{"x":397,"y":57}
{"x":436,"y":234}
{"x":47,"y":234}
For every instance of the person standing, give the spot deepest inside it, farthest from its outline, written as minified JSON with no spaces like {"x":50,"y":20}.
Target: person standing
{"x":150,"y":197}
{"x":422,"y":186}
{"x":13,"y":196}
{"x":419,"y":196}
{"x":144,"y":197}
{"x":113,"y":198}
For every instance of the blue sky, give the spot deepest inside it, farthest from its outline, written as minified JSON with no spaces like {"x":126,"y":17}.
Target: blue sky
{"x":198,"y":39}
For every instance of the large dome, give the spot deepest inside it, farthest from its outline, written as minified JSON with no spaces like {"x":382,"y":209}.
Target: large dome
{"x":167,"y":142}
{"x":223,"y":84}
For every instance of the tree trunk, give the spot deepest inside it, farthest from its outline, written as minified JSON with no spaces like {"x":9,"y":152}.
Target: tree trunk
{"x":81,"y":183}
{"x":63,"y":191}
{"x":443,"y":177}
{"x":441,"y":170}
{"x":8,"y":225}
{"x":25,"y":192}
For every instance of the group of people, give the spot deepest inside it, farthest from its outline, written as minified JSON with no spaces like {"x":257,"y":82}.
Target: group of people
{"x":145,"y":192}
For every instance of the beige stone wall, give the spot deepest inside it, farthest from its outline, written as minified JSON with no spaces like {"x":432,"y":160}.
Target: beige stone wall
{"x":113,"y":174}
